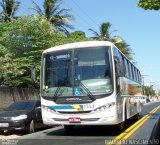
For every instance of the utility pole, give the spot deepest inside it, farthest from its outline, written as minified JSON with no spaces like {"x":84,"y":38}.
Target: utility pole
{"x":143,"y":83}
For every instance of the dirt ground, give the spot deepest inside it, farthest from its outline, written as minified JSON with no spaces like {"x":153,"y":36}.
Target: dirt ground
{"x":13,"y":136}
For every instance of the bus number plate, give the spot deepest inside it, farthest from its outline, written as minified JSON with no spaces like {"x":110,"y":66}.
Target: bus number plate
{"x":74,"y":119}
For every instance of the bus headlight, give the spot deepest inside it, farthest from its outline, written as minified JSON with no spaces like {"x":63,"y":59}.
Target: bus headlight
{"x":107,"y":106}
{"x":48,"y":109}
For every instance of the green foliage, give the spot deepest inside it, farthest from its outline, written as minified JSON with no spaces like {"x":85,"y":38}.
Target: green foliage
{"x":57,"y":16}
{"x":104,"y":32}
{"x":9,"y":8}
{"x":149,"y":4}
{"x":149,"y":91}
{"x":77,"y":36}
{"x":125,"y":48}
{"x":105,"y":35}
{"x":22,"y":42}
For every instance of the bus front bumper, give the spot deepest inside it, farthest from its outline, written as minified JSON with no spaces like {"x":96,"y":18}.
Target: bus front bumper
{"x":101,"y":118}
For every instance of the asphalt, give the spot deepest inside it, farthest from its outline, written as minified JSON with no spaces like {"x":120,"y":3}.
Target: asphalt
{"x":99,"y":135}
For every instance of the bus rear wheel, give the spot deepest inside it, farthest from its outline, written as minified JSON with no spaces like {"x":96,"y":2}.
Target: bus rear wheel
{"x":137,"y":117}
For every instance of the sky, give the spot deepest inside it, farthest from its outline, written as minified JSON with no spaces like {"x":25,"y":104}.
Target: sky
{"x":138,"y":27}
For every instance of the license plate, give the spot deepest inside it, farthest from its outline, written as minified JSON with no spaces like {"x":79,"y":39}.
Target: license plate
{"x":4,"y":124}
{"x":74,"y":120}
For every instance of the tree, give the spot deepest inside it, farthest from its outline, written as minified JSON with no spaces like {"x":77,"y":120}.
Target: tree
{"x":58,"y":17}
{"x":124,"y":47}
{"x":104,"y":32}
{"x":9,"y":8}
{"x":77,"y":36}
{"x":105,"y":35}
{"x":149,"y":4}
{"x":23,"y":42}
{"x":149,"y":91}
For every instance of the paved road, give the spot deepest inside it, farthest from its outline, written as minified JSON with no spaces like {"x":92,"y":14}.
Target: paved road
{"x":89,"y":135}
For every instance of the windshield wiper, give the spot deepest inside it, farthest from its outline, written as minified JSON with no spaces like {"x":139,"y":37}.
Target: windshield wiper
{"x":90,"y":95}
{"x":57,"y":94}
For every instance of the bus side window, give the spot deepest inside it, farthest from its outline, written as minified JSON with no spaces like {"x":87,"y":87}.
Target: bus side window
{"x":126,"y":68}
{"x":117,"y":76}
{"x":116,"y":68}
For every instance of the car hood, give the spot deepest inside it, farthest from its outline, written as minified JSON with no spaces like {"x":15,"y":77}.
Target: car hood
{"x":14,"y":113}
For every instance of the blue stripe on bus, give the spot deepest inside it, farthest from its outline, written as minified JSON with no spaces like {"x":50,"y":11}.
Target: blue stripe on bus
{"x":61,"y":107}
{"x":64,"y":107}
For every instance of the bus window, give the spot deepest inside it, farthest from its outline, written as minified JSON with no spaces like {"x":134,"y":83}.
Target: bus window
{"x":89,"y":66}
{"x":126,"y":67}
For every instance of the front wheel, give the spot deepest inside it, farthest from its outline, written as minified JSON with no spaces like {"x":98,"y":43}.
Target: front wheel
{"x":31,"y":127}
{"x":121,"y":126}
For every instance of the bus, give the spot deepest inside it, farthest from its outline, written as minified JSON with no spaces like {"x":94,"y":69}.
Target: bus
{"x":88,"y":83}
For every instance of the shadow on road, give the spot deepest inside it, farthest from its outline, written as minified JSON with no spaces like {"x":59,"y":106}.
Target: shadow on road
{"x":86,"y":131}
{"x":155,"y":136}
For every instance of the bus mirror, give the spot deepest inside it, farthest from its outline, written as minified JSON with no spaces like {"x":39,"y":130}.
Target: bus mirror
{"x":33,"y":73}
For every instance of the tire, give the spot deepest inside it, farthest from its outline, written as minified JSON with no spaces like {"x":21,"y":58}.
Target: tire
{"x":1,"y":131}
{"x":137,"y":117}
{"x":121,"y":126}
{"x":31,"y":127}
{"x":69,"y":128}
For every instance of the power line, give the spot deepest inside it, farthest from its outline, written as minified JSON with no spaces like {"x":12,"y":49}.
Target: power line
{"x":21,"y":10}
{"x":85,"y":13}
{"x":79,"y":17}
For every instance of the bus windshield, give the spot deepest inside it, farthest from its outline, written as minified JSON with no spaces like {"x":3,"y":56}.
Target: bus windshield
{"x":66,"y":70}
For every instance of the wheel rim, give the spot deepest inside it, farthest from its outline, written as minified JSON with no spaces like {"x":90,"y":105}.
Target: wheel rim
{"x":31,"y":128}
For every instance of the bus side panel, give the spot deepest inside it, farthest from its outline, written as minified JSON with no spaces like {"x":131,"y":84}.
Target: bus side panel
{"x":129,"y":89}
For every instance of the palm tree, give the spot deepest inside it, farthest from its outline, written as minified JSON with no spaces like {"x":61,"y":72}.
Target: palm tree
{"x":9,"y":8}
{"x":124,"y":47}
{"x":59,"y":18}
{"x":104,"y":33}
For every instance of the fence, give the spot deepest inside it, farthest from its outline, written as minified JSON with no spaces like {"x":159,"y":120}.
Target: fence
{"x":9,"y":95}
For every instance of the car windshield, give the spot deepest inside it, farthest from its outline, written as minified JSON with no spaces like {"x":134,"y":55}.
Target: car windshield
{"x":21,"y":106}
{"x":63,"y":70}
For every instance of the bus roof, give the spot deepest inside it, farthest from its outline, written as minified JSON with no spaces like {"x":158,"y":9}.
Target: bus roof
{"x":78,"y":45}
{"x":83,"y":44}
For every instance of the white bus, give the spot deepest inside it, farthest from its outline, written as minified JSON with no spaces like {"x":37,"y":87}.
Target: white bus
{"x":88,"y":83}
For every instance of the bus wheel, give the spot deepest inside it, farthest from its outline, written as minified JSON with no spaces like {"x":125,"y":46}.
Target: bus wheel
{"x":69,"y":128}
{"x":121,"y":126}
{"x":137,"y":116}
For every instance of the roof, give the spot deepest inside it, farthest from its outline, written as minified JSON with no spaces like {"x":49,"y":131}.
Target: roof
{"x":78,"y":45}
